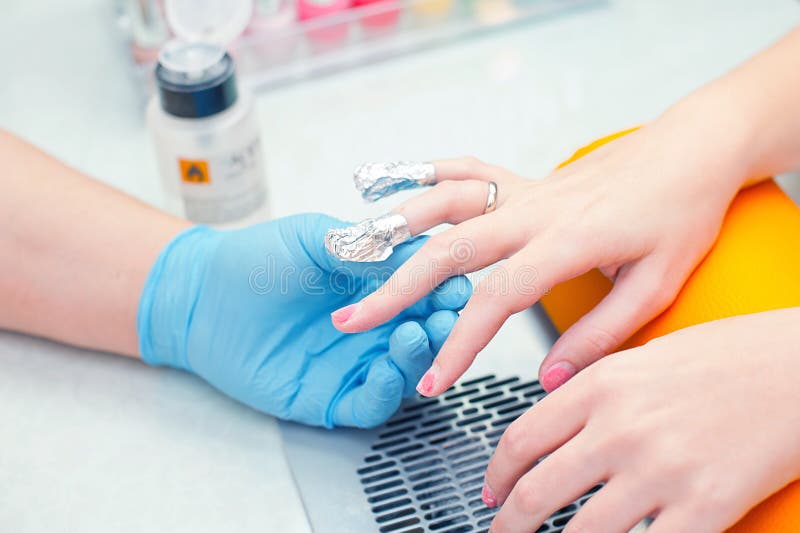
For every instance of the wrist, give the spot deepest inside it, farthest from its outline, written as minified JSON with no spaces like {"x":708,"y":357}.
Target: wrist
{"x":714,"y":134}
{"x":170,"y":294}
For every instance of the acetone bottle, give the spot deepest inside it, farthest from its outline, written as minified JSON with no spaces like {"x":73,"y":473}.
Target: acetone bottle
{"x":206,"y":137}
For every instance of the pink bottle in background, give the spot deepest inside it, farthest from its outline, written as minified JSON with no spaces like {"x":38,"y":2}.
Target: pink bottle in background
{"x":384,"y":20}
{"x":311,"y":9}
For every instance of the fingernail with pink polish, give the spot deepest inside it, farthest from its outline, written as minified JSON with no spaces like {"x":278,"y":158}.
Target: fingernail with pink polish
{"x":340,"y":316}
{"x":425,"y":385}
{"x":557,"y":375}
{"x":488,"y":496}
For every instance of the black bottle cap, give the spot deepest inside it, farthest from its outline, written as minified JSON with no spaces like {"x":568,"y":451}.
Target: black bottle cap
{"x":195,"y":80}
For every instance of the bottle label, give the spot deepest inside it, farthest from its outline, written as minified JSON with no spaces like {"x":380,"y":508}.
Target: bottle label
{"x":194,"y":171}
{"x":224,"y":187}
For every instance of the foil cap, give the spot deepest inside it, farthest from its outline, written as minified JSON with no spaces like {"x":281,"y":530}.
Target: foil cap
{"x":379,"y":180}
{"x":370,"y":240}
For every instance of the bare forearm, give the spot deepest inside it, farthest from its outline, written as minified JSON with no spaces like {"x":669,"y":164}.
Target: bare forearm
{"x":749,"y":119}
{"x":75,"y":252}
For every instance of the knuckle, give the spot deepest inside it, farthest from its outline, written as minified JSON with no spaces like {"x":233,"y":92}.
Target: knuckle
{"x":473,"y":163}
{"x":447,"y":188}
{"x":672,"y":467}
{"x":657,"y":295}
{"x":593,"y":381}
{"x":619,"y":442}
{"x":435,"y":249}
{"x":515,"y":442}
{"x":448,"y":193}
{"x":600,"y":384}
{"x":498,"y":290}
{"x":486,"y":287}
{"x":600,"y":340}
{"x":710,"y":493}
{"x":528,"y":497}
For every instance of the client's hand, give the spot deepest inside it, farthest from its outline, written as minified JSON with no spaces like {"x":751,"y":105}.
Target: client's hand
{"x":693,"y":429}
{"x":248,"y":311}
{"x":644,"y":209}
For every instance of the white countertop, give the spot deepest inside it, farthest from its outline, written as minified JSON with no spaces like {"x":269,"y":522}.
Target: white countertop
{"x":92,"y":442}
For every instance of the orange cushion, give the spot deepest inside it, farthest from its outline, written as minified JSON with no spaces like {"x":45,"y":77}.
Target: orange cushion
{"x":754,"y":266}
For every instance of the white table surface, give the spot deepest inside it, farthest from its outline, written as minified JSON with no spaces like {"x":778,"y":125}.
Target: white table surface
{"x":92,"y":442}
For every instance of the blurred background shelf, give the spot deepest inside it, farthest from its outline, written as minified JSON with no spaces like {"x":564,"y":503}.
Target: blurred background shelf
{"x":279,"y":43}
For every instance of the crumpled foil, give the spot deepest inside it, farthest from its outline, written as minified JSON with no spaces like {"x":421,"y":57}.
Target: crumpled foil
{"x":379,"y":180}
{"x":370,"y":240}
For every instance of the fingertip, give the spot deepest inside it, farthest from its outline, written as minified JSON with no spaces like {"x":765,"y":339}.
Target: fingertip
{"x":453,"y":294}
{"x":436,"y":380}
{"x":438,"y":326}
{"x":556,"y":375}
{"x":426,"y":385}
{"x":441,"y":321}
{"x":353,"y":318}
{"x":408,"y":334}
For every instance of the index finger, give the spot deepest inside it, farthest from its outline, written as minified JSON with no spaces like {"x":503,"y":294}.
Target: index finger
{"x":465,"y":248}
{"x":546,"y":426}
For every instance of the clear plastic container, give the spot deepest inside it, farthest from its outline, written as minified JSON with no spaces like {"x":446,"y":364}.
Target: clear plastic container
{"x":286,"y":41}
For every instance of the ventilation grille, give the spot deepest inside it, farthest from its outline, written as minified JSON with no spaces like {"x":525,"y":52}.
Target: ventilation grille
{"x":425,"y":472}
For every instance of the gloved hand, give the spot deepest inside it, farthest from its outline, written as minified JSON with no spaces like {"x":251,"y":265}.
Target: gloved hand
{"x":248,"y":310}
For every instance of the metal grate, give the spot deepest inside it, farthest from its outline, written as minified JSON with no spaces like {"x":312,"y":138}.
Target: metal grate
{"x":425,"y":470}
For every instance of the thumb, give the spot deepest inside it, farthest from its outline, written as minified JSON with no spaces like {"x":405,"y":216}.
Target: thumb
{"x":372,"y":402}
{"x":640,"y":293}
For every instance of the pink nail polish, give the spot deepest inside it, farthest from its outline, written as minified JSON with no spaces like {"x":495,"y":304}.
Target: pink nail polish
{"x":342,"y":315}
{"x":488,"y":496}
{"x":557,"y":375}
{"x":425,"y":385}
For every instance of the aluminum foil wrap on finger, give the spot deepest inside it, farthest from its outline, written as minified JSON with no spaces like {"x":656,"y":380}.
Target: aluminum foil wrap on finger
{"x":379,"y":180}
{"x":370,"y":240}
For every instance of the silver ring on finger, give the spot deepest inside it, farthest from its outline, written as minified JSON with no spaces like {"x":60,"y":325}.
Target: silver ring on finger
{"x":491,"y":199}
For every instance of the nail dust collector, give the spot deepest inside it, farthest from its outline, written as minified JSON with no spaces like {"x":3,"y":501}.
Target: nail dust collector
{"x":422,"y":470}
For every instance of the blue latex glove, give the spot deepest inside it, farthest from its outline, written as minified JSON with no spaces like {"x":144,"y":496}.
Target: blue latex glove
{"x":249,"y":311}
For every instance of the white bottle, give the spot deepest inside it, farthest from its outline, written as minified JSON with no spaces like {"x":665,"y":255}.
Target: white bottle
{"x":206,"y":137}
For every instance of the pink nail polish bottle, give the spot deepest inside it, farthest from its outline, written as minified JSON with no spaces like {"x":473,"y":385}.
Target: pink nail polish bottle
{"x":384,"y":19}
{"x":328,"y":35}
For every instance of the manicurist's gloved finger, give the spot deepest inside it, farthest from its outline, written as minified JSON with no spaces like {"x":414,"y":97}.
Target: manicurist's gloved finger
{"x":438,"y":327}
{"x":412,"y":347}
{"x":371,"y":403}
{"x":411,"y":353}
{"x":451,"y":295}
